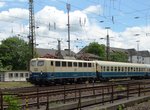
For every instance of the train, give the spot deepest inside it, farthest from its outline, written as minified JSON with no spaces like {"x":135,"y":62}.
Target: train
{"x":46,"y":71}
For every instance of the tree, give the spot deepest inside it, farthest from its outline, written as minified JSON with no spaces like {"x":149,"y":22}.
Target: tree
{"x":118,"y":56}
{"x":14,"y":53}
{"x":96,"y":49}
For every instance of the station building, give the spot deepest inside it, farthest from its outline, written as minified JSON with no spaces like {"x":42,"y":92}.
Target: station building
{"x":13,"y":76}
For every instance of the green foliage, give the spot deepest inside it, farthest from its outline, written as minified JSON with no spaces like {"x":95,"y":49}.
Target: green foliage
{"x":119,"y":57}
{"x":120,"y":107}
{"x":120,"y":87}
{"x":14,"y":54}
{"x":13,"y":102}
{"x":96,"y":49}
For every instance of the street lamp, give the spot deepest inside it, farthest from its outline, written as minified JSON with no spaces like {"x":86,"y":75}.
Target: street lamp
{"x":137,"y":51}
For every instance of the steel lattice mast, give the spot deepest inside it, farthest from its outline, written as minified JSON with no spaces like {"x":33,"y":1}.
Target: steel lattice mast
{"x":31,"y":28}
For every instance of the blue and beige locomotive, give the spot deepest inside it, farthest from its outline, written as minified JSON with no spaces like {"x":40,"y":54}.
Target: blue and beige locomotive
{"x":46,"y":71}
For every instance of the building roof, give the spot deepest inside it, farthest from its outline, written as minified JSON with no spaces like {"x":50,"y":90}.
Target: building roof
{"x":52,"y":52}
{"x":144,"y":53}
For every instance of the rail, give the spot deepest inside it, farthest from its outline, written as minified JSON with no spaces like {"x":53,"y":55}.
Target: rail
{"x":108,"y":93}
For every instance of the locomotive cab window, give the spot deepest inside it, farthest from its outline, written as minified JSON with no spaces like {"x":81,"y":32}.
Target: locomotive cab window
{"x":75,"y":64}
{"x":89,"y":65}
{"x":85,"y":64}
{"x":40,"y":63}
{"x":57,"y":63}
{"x":33,"y":63}
{"x":69,"y":64}
{"x":63,"y":64}
{"x":80,"y":64}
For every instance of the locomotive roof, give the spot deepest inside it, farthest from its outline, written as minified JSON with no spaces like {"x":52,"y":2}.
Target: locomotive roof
{"x":49,"y":59}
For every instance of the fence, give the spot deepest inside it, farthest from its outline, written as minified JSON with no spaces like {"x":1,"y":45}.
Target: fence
{"x":108,"y":93}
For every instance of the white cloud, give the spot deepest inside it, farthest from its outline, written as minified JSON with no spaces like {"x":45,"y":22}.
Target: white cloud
{"x":82,"y":31}
{"x":2,"y":4}
{"x":93,"y":9}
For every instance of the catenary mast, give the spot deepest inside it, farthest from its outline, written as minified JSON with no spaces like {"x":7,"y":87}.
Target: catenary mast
{"x":31,"y":28}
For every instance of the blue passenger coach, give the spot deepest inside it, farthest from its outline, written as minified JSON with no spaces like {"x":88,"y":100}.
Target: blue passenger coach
{"x":109,"y":70}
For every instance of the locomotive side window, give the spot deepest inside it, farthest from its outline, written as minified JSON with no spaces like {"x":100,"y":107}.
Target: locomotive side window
{"x":63,"y":64}
{"x":57,"y":63}
{"x":51,"y":63}
{"x":85,"y":64}
{"x":75,"y":64}
{"x":80,"y":64}
{"x":40,"y":63}
{"x":69,"y":64}
{"x":89,"y":65}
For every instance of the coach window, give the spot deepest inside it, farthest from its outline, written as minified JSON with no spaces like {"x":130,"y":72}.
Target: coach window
{"x":107,"y":68}
{"x":89,"y":64}
{"x":118,"y":69}
{"x":69,"y":64}
{"x":57,"y":63}
{"x":115,"y":68}
{"x":134,"y":69}
{"x":112,"y":68}
{"x":131,"y":69}
{"x":137,"y":69}
{"x":85,"y":64}
{"x":122,"y":68}
{"x":141,"y":69}
{"x":63,"y":64}
{"x":104,"y":69}
{"x":128,"y":69}
{"x":75,"y":64}
{"x":51,"y":63}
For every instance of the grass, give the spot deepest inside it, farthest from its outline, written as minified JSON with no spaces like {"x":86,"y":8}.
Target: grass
{"x":14,"y":84}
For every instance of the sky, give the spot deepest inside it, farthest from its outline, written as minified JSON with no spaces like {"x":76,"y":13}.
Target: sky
{"x":127,"y":22}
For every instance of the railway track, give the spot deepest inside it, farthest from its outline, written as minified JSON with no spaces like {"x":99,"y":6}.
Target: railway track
{"x":69,"y":86}
{"x":66,"y":93}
